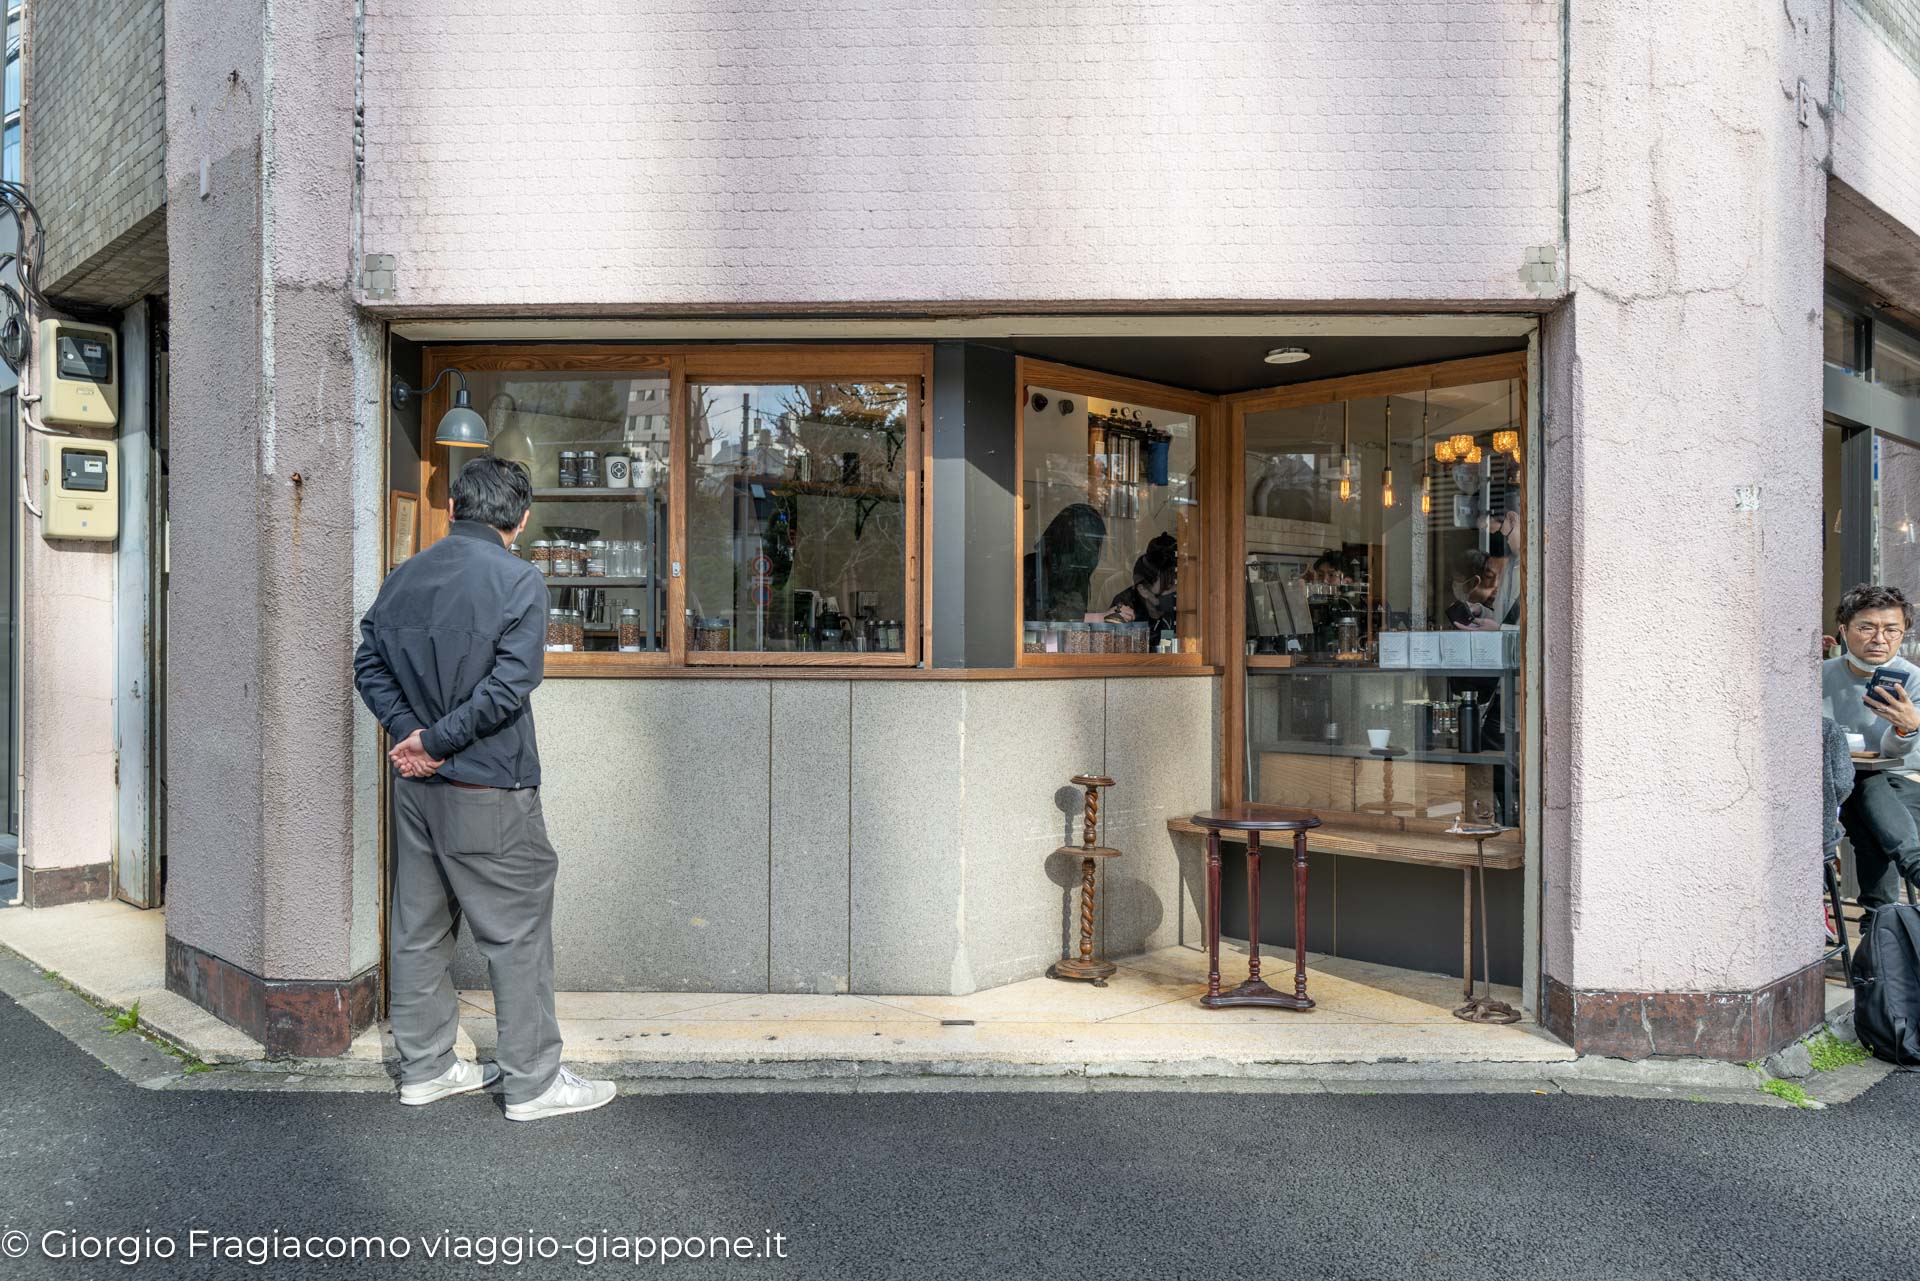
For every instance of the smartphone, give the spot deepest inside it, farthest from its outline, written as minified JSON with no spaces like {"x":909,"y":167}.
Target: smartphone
{"x":1884,"y":677}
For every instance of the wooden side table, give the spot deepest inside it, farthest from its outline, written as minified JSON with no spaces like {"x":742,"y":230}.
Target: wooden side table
{"x":1253,"y":820}
{"x":1087,"y":968}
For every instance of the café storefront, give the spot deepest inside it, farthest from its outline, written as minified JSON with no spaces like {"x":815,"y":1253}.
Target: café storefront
{"x":832,"y":626}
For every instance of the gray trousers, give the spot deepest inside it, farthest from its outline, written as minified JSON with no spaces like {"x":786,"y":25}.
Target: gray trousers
{"x":482,"y":855}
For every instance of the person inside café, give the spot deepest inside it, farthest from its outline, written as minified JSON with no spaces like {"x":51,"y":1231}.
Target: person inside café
{"x":1474,"y":585}
{"x":1058,"y":573}
{"x":1152,"y":598}
{"x":1870,"y":691}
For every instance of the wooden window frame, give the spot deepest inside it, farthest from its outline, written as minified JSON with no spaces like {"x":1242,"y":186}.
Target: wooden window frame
{"x":683,"y":365}
{"x":1207,"y":414}
{"x":1391,"y":382}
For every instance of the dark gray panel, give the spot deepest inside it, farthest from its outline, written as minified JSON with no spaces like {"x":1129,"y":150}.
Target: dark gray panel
{"x":971,"y":485}
{"x":1408,"y":915}
{"x":1229,"y":363}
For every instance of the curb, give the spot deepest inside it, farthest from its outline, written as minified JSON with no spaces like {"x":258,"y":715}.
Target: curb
{"x":151,"y":1061}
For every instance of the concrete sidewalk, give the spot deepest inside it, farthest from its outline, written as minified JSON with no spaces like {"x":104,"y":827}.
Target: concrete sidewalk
{"x":1374,"y":1027}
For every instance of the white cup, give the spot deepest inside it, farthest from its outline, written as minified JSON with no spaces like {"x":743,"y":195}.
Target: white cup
{"x":1856,"y":742}
{"x":1377,"y":739}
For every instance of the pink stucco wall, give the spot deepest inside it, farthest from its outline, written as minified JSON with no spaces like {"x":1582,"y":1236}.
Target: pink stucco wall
{"x":609,"y":152}
{"x":1683,"y":814}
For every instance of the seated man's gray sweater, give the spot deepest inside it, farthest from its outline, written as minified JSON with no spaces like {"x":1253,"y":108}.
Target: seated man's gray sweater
{"x":1843,"y":695}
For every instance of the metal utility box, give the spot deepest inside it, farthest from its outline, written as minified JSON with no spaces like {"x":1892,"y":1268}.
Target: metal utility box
{"x":80,"y":488}
{"x":75,"y":365}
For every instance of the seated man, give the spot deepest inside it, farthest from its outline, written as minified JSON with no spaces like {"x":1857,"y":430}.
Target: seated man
{"x":1879,"y":816}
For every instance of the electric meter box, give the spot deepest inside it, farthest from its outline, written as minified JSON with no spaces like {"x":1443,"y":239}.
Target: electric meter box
{"x":75,"y":364}
{"x":80,"y":488}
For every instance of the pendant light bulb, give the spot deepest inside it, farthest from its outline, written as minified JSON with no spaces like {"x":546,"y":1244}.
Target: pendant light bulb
{"x":1426,"y":495}
{"x":1346,"y":452}
{"x":1386,"y":473}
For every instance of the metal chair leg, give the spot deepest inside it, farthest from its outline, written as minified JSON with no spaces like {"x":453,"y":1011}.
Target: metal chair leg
{"x":1830,"y":867}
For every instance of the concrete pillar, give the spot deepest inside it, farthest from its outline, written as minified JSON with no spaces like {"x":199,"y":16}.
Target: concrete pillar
{"x":271,"y":911}
{"x":1683,"y":510}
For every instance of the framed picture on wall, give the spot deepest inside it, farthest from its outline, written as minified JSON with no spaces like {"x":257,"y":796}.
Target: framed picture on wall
{"x":403,"y":527}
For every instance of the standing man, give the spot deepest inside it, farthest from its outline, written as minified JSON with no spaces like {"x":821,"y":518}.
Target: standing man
{"x":448,"y":654}
{"x":1880,"y":815}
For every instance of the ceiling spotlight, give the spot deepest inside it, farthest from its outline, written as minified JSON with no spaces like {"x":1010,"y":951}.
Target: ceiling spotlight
{"x":1287,"y":355}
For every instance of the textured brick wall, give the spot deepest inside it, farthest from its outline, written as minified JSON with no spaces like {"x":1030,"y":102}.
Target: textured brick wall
{"x":669,"y":151}
{"x":1876,"y":128}
{"x":96,"y":137}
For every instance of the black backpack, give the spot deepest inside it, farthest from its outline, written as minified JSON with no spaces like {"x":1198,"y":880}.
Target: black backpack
{"x":1886,"y":985}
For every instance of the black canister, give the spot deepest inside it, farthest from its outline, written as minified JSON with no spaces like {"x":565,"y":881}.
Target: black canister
{"x":589,"y":469}
{"x":569,"y":469}
{"x":1469,"y":723}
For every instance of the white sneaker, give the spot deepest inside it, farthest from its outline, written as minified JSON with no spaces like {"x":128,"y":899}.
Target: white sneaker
{"x":568,"y":1093}
{"x":461,"y":1078}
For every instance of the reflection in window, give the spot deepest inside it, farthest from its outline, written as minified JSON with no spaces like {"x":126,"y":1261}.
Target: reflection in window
{"x":797,"y":529}
{"x":1111,"y":522}
{"x":597,"y":448}
{"x":1383,"y":603}
{"x":1840,"y":338}
{"x":1896,"y":544}
{"x":1896,"y":361}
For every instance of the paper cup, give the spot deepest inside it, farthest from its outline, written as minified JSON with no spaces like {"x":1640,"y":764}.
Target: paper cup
{"x":1377,"y":739}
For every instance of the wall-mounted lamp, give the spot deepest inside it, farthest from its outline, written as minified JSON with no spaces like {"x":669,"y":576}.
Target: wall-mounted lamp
{"x":460,"y":427}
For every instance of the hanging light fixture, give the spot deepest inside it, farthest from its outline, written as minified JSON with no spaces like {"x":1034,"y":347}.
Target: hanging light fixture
{"x":1386,"y":474}
{"x":460,"y":427}
{"x":1347,"y":490}
{"x":1426,"y":477}
{"x":1508,"y":441}
{"x":1443,"y":451}
{"x":1474,"y":456}
{"x":1462,"y":445}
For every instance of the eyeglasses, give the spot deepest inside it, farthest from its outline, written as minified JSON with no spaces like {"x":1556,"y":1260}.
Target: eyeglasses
{"x":1871,"y":631}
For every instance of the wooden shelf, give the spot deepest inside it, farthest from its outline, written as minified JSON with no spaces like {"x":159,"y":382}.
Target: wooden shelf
{"x":1359,"y":839}
{"x":579,"y":580}
{"x":595,"y":495}
{"x":1437,"y":756}
{"x":1374,"y":669}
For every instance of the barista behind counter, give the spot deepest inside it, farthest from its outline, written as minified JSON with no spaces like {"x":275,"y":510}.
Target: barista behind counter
{"x":1153,"y":598}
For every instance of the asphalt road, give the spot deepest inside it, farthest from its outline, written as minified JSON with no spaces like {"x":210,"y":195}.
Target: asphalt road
{"x":997,"y":1185}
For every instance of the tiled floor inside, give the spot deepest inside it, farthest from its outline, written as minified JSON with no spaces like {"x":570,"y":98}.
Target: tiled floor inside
{"x":1148,"y":1013}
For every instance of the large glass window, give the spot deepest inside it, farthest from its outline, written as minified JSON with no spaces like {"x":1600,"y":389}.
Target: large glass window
{"x":1896,"y":544}
{"x":1383,"y":538}
{"x":710,"y":504}
{"x":1841,"y":331}
{"x":598,"y":447}
{"x":799,"y":524}
{"x":1109,"y":519}
{"x":1896,"y":361}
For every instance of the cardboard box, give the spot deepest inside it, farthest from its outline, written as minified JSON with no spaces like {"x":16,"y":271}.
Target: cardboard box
{"x":1423,"y":649}
{"x":1489,"y":649}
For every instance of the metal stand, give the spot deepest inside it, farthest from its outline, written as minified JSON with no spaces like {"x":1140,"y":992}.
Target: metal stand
{"x":1087,"y":968}
{"x":1482,"y":1008}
